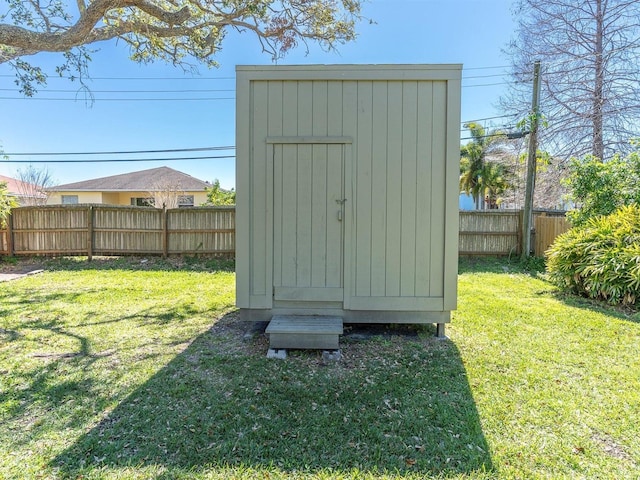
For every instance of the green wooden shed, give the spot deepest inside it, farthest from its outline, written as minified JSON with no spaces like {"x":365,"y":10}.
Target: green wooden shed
{"x":347,"y":192}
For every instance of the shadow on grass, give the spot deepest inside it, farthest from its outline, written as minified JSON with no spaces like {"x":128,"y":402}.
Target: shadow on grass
{"x":22,"y":303}
{"x":64,"y":367}
{"x":394,"y":403}
{"x":573,"y":300}
{"x":494,"y":264}
{"x":535,"y":267}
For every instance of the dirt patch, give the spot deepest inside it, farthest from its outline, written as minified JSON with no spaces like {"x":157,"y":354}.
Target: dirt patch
{"x":611,"y":447}
{"x":360,"y":344}
{"x":365,"y":331}
{"x":19,"y":267}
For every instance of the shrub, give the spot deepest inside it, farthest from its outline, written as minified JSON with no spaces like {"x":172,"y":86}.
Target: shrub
{"x":6,"y":204}
{"x":601,"y":258}
{"x":600,"y":188}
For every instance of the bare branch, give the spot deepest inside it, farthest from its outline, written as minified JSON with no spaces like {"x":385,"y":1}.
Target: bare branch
{"x":33,"y":185}
{"x":590,"y":51}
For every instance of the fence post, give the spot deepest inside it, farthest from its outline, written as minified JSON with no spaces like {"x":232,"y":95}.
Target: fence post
{"x":520,"y":227}
{"x":90,"y":234}
{"x":540,"y":233}
{"x":165,"y":235}
{"x":10,"y":247}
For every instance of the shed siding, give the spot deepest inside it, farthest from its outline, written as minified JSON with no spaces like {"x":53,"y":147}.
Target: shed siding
{"x":438,"y":182}
{"x":394,"y":177}
{"x":400,"y":163}
{"x":260,"y":177}
{"x":423,"y":194}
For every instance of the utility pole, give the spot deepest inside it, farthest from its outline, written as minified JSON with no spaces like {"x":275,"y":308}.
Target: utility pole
{"x":527,"y":218}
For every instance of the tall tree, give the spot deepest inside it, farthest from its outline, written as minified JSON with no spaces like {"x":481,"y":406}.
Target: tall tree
{"x":590,"y":81}
{"x":177,"y":31}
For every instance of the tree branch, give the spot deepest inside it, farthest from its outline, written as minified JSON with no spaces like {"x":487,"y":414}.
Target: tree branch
{"x":25,"y":42}
{"x":169,"y":30}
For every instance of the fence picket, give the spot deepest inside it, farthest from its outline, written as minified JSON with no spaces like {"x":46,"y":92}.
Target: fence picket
{"x":547,"y":229}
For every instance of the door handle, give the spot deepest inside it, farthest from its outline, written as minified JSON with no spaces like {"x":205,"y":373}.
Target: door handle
{"x":339,"y":215}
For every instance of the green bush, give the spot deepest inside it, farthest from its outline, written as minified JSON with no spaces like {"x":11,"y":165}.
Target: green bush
{"x":600,"y":188}
{"x":6,"y":204}
{"x":601,"y":258}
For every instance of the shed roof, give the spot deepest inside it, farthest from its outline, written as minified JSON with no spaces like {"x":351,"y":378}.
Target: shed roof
{"x":144,"y":180}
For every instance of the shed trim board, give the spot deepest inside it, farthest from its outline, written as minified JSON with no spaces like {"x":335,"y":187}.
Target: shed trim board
{"x":348,"y":316}
{"x":347,"y":191}
{"x":350,"y":72}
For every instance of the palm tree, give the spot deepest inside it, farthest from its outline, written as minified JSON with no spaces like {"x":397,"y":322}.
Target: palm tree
{"x":495,"y":179}
{"x":473,"y":159}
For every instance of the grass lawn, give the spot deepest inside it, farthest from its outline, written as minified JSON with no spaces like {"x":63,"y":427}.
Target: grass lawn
{"x":132,"y":369}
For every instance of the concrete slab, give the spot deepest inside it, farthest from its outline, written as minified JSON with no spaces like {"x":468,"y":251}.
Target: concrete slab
{"x":278,"y":353}
{"x":331,"y":356}
{"x":5,"y":277}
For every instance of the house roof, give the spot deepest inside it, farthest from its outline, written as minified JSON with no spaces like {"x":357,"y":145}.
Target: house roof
{"x":18,"y":188}
{"x":153,"y":179}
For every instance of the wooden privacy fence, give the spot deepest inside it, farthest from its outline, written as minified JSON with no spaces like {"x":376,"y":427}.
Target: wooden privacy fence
{"x":122,"y":230}
{"x":499,"y":232}
{"x":490,"y":232}
{"x":119,"y":230}
{"x":547,"y":228}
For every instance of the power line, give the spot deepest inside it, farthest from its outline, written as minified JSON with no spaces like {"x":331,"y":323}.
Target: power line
{"x":119,"y":99}
{"x":127,"y":152}
{"x":8,"y":75}
{"x":90,"y":92}
{"x":114,"y":160}
{"x":125,"y":91}
{"x":484,"y":76}
{"x":134,"y":78}
{"x":155,"y":99}
{"x":487,"y":118}
{"x":572,"y":57}
{"x":487,"y":68}
{"x":81,"y":95}
{"x":88,"y":95}
{"x":486,"y":84}
{"x":190,"y":99}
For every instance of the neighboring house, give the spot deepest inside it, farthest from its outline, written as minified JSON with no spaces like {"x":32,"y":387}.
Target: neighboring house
{"x":162,"y":186}
{"x":24,"y":193}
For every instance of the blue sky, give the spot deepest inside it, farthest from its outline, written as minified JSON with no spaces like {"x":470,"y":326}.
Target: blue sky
{"x":471,"y":32}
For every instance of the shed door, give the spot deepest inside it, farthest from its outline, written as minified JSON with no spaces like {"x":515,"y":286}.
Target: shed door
{"x":309,"y":208}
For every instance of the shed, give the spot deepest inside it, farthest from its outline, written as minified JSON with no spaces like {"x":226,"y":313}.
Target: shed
{"x":347,"y":192}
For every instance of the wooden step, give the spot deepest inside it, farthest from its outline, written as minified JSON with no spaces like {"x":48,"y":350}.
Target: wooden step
{"x":304,"y":332}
